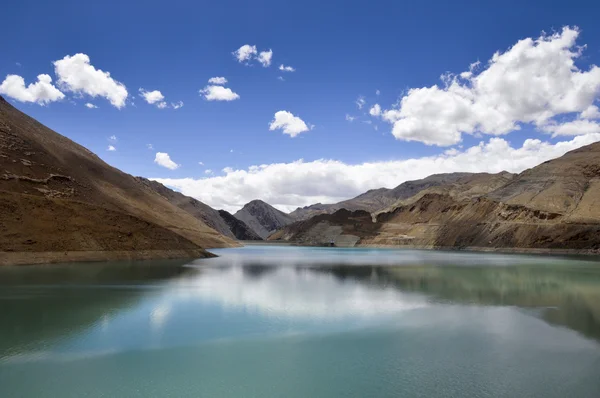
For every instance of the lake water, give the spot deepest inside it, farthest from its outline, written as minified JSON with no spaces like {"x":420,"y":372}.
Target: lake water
{"x":265,"y":321}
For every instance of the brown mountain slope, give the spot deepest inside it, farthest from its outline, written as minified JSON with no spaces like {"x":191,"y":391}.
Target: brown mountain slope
{"x":468,"y":186}
{"x":204,"y":212}
{"x":568,"y":185}
{"x":376,"y":200}
{"x":40,"y":169}
{"x":453,"y":218}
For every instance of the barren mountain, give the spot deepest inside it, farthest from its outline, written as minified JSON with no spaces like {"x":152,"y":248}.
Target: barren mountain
{"x":204,"y":212}
{"x":378,"y":199}
{"x":552,"y":206}
{"x":262,"y":218}
{"x":468,"y":186}
{"x":61,"y":202}
{"x":238,"y":227}
{"x":569,"y":185}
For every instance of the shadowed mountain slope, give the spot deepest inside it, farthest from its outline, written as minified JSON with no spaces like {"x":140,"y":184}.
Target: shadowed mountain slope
{"x":262,"y":218}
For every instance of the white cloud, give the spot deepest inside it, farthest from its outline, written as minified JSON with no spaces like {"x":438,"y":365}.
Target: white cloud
{"x":163,"y":159}
{"x":218,"y":93}
{"x":41,"y":92}
{"x":375,"y":110}
{"x":112,"y":138}
{"x":533,"y":82}
{"x":154,"y":97}
{"x":377,"y":92}
{"x":76,"y":74}
{"x":288,"y":123}
{"x":201,"y":163}
{"x":350,"y":118}
{"x":217,"y":80}
{"x":245,"y":53}
{"x":265,"y":58}
{"x":177,"y":105}
{"x":111,"y":148}
{"x":575,"y":127}
{"x":360,"y":102}
{"x":91,"y":106}
{"x":300,"y":183}
{"x":150,"y":147}
{"x":288,"y":68}
{"x":208,"y":172}
{"x":591,"y":112}
{"x":280,"y":78}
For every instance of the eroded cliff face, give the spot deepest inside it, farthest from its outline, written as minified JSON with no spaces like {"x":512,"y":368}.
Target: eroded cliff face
{"x":56,"y":195}
{"x":554,"y":206}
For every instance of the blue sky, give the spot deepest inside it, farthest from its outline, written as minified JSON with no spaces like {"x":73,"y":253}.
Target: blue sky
{"x":340,"y":51}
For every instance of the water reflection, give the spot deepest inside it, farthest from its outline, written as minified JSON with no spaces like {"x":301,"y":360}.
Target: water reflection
{"x":42,"y":305}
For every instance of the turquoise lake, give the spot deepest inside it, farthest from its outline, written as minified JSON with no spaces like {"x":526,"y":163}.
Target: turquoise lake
{"x":276,"y":321}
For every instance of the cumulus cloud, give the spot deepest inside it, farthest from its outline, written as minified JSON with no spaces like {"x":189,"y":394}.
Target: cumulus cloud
{"x":208,"y":172}
{"x":377,"y":92}
{"x":350,"y":118}
{"x":280,"y":78}
{"x":111,"y":148}
{"x":245,"y":53}
{"x":177,"y":105}
{"x":218,"y":93}
{"x":41,"y":92}
{"x":217,"y":80}
{"x":76,"y":74}
{"x":91,"y":106}
{"x":360,"y":102}
{"x":300,"y":183}
{"x":288,"y":68}
{"x":265,"y":58}
{"x":113,"y":138}
{"x":375,"y":110}
{"x":591,"y":112}
{"x":153,"y":97}
{"x":288,"y":123}
{"x":575,"y":127}
{"x":534,"y":82}
{"x":150,"y":146}
{"x":163,"y":159}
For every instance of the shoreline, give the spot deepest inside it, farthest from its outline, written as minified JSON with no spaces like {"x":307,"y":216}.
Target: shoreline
{"x":471,"y":249}
{"x":499,"y":250}
{"x":36,"y":258}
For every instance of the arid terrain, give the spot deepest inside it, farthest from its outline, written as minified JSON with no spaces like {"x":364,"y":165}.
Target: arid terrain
{"x":61,"y":202}
{"x":552,"y":207}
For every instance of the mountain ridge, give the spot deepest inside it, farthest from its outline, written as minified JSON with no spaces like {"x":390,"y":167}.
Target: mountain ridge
{"x":554,"y":206}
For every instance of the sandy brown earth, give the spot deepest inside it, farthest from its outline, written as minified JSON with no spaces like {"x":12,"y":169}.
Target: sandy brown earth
{"x":552,"y":207}
{"x":57,"y":196}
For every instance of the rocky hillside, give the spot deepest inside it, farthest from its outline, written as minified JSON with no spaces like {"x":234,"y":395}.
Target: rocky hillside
{"x":61,"y":202}
{"x":378,"y":199}
{"x":554,"y":206}
{"x":239,"y":228}
{"x":262,"y":218}
{"x":569,"y":185}
{"x":204,"y":212}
